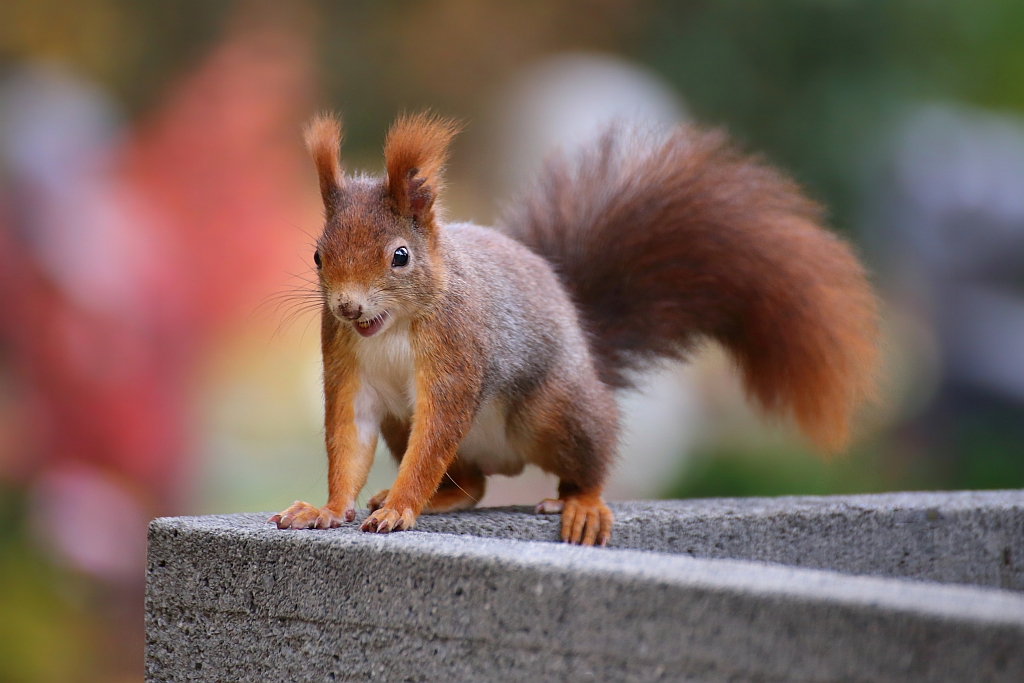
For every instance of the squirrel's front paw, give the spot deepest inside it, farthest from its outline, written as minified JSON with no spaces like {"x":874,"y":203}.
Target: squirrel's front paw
{"x":387,"y":519}
{"x":302,"y":515}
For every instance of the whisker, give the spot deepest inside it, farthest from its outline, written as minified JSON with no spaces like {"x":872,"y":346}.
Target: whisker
{"x":305,"y":329}
{"x":285,"y":300}
{"x":287,"y":321}
{"x":288,"y":300}
{"x":299,"y":228}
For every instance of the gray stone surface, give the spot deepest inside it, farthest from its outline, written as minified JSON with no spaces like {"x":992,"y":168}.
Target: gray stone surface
{"x":234,"y":599}
{"x":974,"y":537}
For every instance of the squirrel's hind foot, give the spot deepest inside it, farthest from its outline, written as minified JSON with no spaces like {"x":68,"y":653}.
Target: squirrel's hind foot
{"x":586,"y":520}
{"x":377,"y":501}
{"x":443,"y":500}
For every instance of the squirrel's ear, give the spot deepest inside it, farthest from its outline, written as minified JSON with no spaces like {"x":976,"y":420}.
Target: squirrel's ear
{"x":323,"y":140}
{"x":414,"y":153}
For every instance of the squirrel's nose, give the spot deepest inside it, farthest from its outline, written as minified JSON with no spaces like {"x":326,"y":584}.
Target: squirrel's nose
{"x":350,"y":312}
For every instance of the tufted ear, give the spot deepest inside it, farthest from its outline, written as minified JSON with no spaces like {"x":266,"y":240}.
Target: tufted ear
{"x":323,"y":140}
{"x":414,"y":153}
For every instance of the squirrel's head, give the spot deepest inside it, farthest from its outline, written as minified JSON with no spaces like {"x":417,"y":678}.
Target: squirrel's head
{"x":377,"y":256}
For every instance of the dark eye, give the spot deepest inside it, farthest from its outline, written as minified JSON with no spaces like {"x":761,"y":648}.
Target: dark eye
{"x":316,"y":259}
{"x":401,"y":258}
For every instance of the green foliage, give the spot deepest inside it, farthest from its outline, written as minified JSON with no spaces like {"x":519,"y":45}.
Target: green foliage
{"x":777,"y":471}
{"x":985,"y":450}
{"x":44,"y":631}
{"x":816,"y":85}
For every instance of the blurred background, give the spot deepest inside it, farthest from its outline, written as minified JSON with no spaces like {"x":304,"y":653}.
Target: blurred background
{"x":157,"y":211}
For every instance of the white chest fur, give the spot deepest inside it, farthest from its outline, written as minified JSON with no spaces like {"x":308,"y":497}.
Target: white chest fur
{"x":387,"y":373}
{"x":487,"y":443}
{"x":386,"y":366}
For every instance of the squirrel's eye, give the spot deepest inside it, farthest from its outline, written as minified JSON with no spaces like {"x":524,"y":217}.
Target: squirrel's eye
{"x":316,"y":259}
{"x":401,"y":258}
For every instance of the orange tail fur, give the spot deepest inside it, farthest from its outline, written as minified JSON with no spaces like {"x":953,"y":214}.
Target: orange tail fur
{"x":665,"y":241}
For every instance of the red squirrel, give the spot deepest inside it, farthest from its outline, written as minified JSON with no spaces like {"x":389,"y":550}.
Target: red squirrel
{"x":474,"y":351}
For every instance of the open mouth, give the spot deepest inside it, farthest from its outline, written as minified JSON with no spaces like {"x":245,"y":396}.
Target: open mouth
{"x":370,"y":327}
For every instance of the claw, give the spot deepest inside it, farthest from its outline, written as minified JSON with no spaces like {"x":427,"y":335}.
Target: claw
{"x":387,"y":520}
{"x":304,"y":516}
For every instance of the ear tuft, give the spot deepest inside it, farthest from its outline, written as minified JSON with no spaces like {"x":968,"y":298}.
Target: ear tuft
{"x":323,"y":140}
{"x":415,"y":152}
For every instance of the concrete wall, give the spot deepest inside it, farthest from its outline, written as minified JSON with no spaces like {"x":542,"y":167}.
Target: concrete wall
{"x":484,"y":596}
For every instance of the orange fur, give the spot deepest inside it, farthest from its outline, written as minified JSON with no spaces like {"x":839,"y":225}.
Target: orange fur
{"x":462,"y":487}
{"x":348,"y":458}
{"x":445,"y":406}
{"x":666,"y":242}
{"x":585,"y":518}
{"x":415,"y":152}
{"x":323,"y":140}
{"x":473,"y":356}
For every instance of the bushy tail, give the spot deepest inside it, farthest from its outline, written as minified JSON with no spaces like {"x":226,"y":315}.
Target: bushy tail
{"x":664,"y":241}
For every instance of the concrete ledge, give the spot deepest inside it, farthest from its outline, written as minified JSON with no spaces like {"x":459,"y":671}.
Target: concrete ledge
{"x":974,"y":537}
{"x":234,"y":599}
